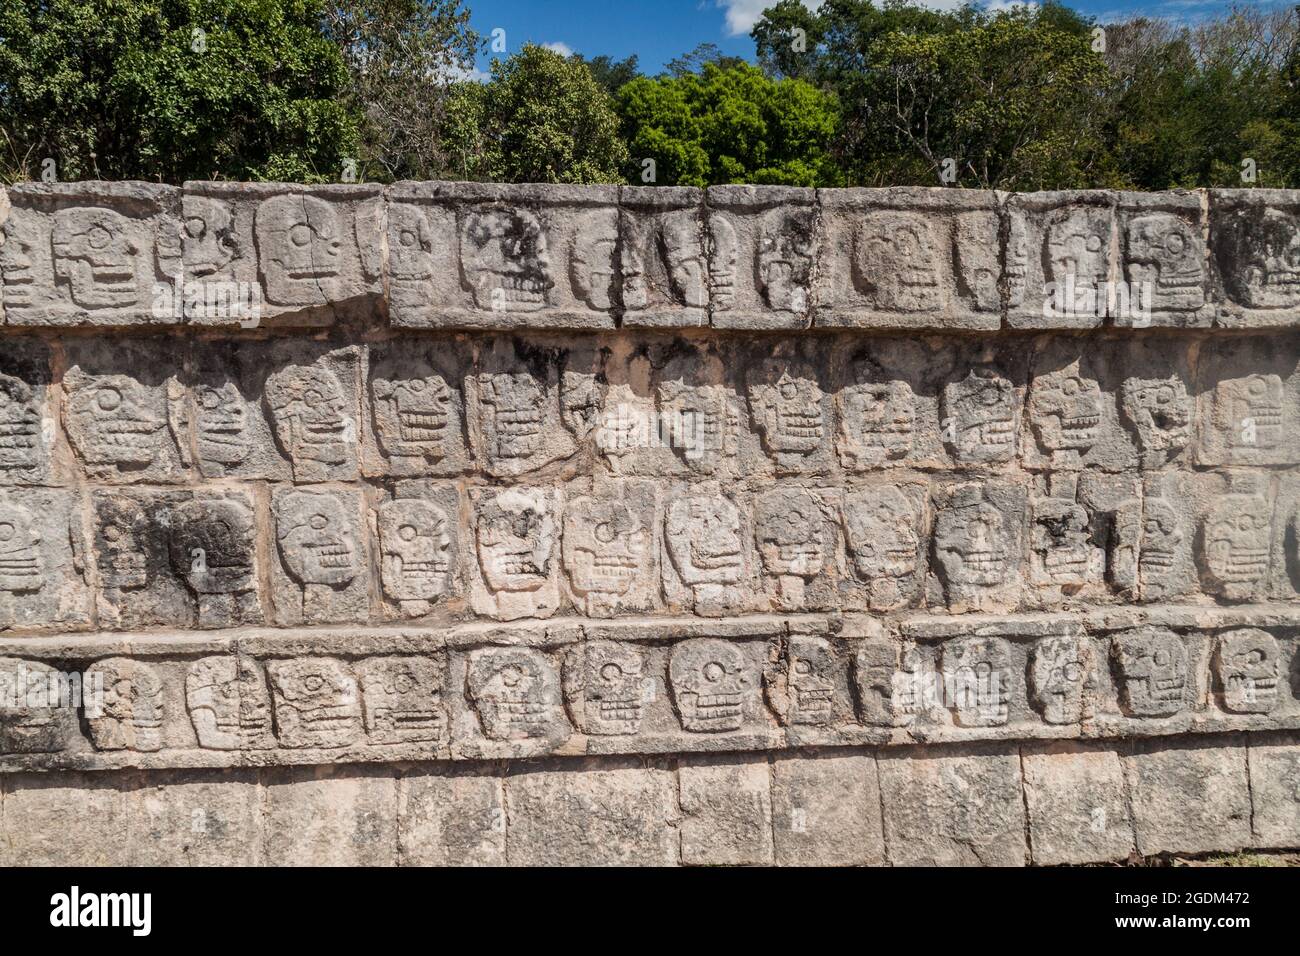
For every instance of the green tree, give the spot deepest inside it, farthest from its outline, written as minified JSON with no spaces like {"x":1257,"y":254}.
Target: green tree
{"x":611,"y":74}
{"x":402,"y":56}
{"x":541,"y":118}
{"x":729,"y":125}
{"x":171,"y":90}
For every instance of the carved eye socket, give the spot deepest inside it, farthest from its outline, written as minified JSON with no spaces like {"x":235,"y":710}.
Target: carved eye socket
{"x":1164,"y":396}
{"x":416,"y":385}
{"x":611,"y":672}
{"x":1256,"y":387}
{"x":124,"y":689}
{"x":300,"y":234}
{"x":313,"y":683}
{"x":1094,"y":243}
{"x":98,"y":237}
{"x":210,"y":399}
{"x":312,"y":398}
{"x":1152,"y":526}
{"x":1073,"y":671}
{"x":789,"y":390}
{"x":1162,"y":657}
{"x":1070,"y":386}
{"x":108,"y":398}
{"x":1175,"y":244}
{"x":406,"y":532}
{"x":318,"y":521}
{"x":404,"y":683}
{"x":1246,"y":523}
{"x":511,"y":676}
{"x":195,"y":227}
{"x":605,"y":532}
{"x":6,"y":531}
{"x":802,"y":666}
{"x":407,"y":238}
{"x":713,"y":672}
{"x":229,"y":691}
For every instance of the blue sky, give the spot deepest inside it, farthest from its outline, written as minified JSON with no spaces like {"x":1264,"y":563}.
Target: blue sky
{"x":658,"y":30}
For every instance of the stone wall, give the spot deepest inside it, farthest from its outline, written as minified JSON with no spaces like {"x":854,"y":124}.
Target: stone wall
{"x":474,"y":523}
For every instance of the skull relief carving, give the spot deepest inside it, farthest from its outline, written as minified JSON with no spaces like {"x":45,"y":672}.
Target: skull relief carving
{"x":892,"y":687}
{"x":23,"y":240}
{"x":309,"y":409}
{"x":880,"y":529}
{"x":516,"y":540}
{"x":789,"y":415}
{"x":1266,"y":274}
{"x":970,"y":540}
{"x":1247,"y":668}
{"x":300,"y":248}
{"x":21,"y":447}
{"x":788,"y":529}
{"x":208,"y":237}
{"x":516,"y":693}
{"x":513,"y":418}
{"x":96,"y":256}
{"x":21,"y":567}
{"x":316,"y":702}
{"x":977,"y":673}
{"x":877,"y":422}
{"x":896,"y":260}
{"x":711,"y":682}
{"x":980,"y":416}
{"x":591,"y":265}
{"x":1065,"y":410}
{"x":413,"y":417}
{"x":1162,"y":540}
{"x":1166,"y":251}
{"x":505,"y":259}
{"x":402,"y":699}
{"x":605,"y":687}
{"x":1153,"y":672}
{"x":1064,"y":555}
{"x":229,"y":704}
{"x":785,"y":258}
{"x":1249,"y":412}
{"x":1235,"y":545}
{"x":703,"y":534}
{"x":606,"y":547}
{"x":415,"y":540}
{"x":221,"y":424}
{"x":36,"y":716}
{"x":130,"y":716}
{"x":123,"y":537}
{"x":1078,"y":246}
{"x":112,"y":420}
{"x":1161,"y":412}
{"x":211,"y":546}
{"x":1060,"y":669}
{"x":317,"y":539}
{"x":410,"y":250}
{"x":810,"y":681}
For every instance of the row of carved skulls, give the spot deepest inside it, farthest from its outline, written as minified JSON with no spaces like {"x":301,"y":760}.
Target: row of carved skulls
{"x":115,"y":421}
{"x":608,"y":687}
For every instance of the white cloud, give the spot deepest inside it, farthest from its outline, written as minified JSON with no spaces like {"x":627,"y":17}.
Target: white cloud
{"x":561,"y":48}
{"x":460,"y":74}
{"x":1001,"y":6}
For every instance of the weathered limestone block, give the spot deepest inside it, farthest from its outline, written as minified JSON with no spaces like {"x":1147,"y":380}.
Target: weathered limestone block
{"x":1255,"y":237}
{"x":607,"y":687}
{"x":826,"y":810}
{"x":726,"y":807}
{"x":196,"y":819}
{"x":978,"y":545}
{"x":67,"y":819}
{"x":89,"y":254}
{"x":1062,"y":259}
{"x":325,"y":817}
{"x":908,"y":258}
{"x":1165,"y":261}
{"x":1072,"y":409}
{"x":452,"y":817}
{"x":663,"y":262}
{"x":484,"y":255}
{"x":1189,"y":797}
{"x":1275,"y":789}
{"x":515,"y":695}
{"x":711,"y":566}
{"x":762,"y":256}
{"x":132,"y":712}
{"x":1078,"y":809}
{"x":950,"y":807}
{"x":584,"y":813}
{"x":298,"y":255}
{"x":795,"y":534}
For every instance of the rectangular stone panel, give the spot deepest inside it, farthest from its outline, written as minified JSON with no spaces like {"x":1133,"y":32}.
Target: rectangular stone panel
{"x":826,"y":810}
{"x":663,"y":260}
{"x":452,"y":817}
{"x":1077,"y":804}
{"x":483,"y":255}
{"x":1255,"y":242}
{"x":908,"y":258}
{"x":317,"y":816}
{"x":1061,"y":259}
{"x":726,"y":806}
{"x":1191,"y":797}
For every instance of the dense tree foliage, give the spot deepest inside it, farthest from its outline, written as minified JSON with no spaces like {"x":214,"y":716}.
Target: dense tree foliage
{"x":729,"y":125}
{"x":855,"y":92}
{"x":171,"y":89}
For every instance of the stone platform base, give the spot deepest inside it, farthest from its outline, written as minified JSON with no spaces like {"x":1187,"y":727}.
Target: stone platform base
{"x":950,"y":805}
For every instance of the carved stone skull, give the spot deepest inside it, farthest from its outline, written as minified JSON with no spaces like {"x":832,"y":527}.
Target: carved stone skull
{"x":513,"y":415}
{"x":970,"y":541}
{"x":788,"y":414}
{"x":1059,"y":671}
{"x":880,"y":531}
{"x":604,"y":684}
{"x":711,"y":681}
{"x":316,"y":702}
{"x":95,"y":253}
{"x":1078,"y":245}
{"x":130,"y":715}
{"x":412,"y":416}
{"x":211,"y":546}
{"x":516,"y":540}
{"x":1160,"y":410}
{"x":980,"y":416}
{"x":415,"y":542}
{"x":1235,"y":545}
{"x":606,"y":545}
{"x":1247,"y":667}
{"x":300,"y":247}
{"x":229,"y":704}
{"x":221,"y":423}
{"x":977,"y":675}
{"x":785,"y":258}
{"x":878,"y":420}
{"x":402,"y":699}
{"x":515,"y":691}
{"x":309,"y":410}
{"x":1065,"y":409}
{"x":703,"y":534}
{"x":896,"y":259}
{"x":788,"y":531}
{"x":1166,"y":251}
{"x":208,"y":236}
{"x":1153,"y":672}
{"x":20,"y":425}
{"x":21,"y":567}
{"x":505,"y":259}
{"x":810,"y":679}
{"x":124,"y":530}
{"x":591,"y":265}
{"x":36,"y":710}
{"x":112,"y":420}
{"x":317,"y":539}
